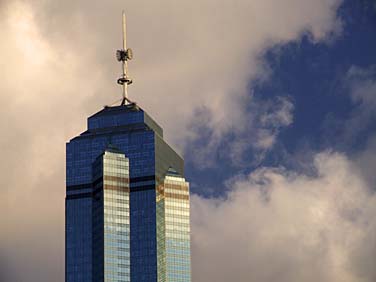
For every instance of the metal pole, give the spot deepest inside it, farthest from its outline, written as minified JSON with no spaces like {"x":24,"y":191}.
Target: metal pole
{"x":125,"y":67}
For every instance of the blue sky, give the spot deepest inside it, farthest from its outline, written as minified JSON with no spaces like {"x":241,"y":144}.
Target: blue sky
{"x":313,"y":75}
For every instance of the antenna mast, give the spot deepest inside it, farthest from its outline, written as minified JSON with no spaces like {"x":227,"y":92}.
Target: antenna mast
{"x":123,"y":56}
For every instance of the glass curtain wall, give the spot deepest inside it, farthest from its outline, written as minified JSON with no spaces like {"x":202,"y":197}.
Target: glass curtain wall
{"x":111,"y":193}
{"x":174,"y":256}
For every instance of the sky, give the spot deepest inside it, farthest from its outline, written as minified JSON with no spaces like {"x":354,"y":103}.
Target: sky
{"x":271,"y":103}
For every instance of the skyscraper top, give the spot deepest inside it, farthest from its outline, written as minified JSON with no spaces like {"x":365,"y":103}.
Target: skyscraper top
{"x":127,"y":200}
{"x":119,"y":117}
{"x":123,"y":55}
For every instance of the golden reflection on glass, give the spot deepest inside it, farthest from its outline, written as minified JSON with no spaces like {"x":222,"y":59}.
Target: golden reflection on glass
{"x":173,"y":227}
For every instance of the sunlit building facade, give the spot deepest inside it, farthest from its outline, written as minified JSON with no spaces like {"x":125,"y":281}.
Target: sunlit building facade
{"x":127,"y":202}
{"x":173,"y":228}
{"x":111,"y":227}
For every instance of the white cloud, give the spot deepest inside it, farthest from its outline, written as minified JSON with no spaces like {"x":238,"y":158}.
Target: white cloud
{"x":188,"y":57}
{"x":57,"y":67}
{"x":277,"y":225}
{"x":361,"y":83}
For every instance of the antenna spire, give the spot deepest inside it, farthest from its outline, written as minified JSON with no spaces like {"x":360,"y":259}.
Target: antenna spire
{"x":123,"y":56}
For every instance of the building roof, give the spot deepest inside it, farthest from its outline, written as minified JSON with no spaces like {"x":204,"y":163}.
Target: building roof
{"x":129,"y":115}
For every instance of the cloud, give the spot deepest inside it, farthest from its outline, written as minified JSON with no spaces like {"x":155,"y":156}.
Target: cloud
{"x":277,"y":225}
{"x":360,"y":86}
{"x":58,"y":66}
{"x":188,"y":57}
{"x":264,"y":121}
{"x":366,"y":162}
{"x":361,"y":83}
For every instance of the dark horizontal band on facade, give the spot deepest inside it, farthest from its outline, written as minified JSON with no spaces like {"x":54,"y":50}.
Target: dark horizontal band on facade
{"x":110,"y":178}
{"x":142,"y":178}
{"x":142,"y":188}
{"x":97,"y":181}
{"x":97,"y":189}
{"x":79,"y":187}
{"x":79,"y":196}
{"x":126,"y":189}
{"x":110,"y":187}
{"x":107,"y":177}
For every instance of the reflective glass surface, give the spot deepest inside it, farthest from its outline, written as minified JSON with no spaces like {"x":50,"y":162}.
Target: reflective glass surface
{"x":124,"y":226}
{"x":173,"y":229}
{"x":116,"y":218}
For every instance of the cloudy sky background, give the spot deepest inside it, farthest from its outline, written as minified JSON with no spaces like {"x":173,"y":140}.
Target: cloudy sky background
{"x":272,"y":104}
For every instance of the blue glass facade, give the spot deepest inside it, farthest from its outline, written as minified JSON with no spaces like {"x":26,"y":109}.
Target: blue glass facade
{"x":140,"y":140}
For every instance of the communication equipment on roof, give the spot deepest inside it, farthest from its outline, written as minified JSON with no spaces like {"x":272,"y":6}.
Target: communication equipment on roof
{"x":123,"y":56}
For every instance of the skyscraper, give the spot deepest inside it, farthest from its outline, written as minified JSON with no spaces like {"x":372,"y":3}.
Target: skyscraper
{"x":127,"y":201}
